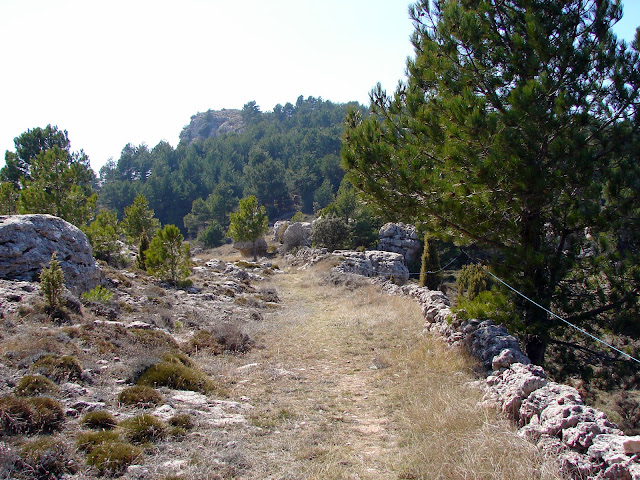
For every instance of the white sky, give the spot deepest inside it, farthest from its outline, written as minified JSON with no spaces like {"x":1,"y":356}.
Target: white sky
{"x":134,"y":71}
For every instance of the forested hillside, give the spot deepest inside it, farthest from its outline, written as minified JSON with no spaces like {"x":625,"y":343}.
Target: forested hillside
{"x":288,"y":158}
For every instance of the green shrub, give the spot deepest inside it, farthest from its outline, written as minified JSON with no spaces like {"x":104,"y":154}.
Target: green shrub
{"x":331,"y":233}
{"x":430,"y":263}
{"x":174,"y":372}
{"x":58,"y":368}
{"x":85,"y":442}
{"x":473,"y":279}
{"x":98,"y":294}
{"x":182,"y":420}
{"x":113,"y":457}
{"x":99,"y":420}
{"x":493,"y":304}
{"x":212,"y":236}
{"x":143,"y":429}
{"x":20,"y":415}
{"x":298,"y":217}
{"x":45,"y":458}
{"x":34,"y":385}
{"x":140,"y":396}
{"x":52,"y":284}
{"x":153,"y":338}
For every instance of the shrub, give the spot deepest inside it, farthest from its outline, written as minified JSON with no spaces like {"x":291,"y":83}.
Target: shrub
{"x":298,"y":217}
{"x":172,"y":372}
{"x":30,"y":415}
{"x":212,"y":236}
{"x":99,"y":420}
{"x":430,"y":263}
{"x":226,"y":337}
{"x":52,"y":284}
{"x":153,"y":338}
{"x":98,"y":294}
{"x":182,"y":420}
{"x":330,"y":232}
{"x":85,"y":442}
{"x":143,"y":429}
{"x":113,"y":457}
{"x":140,"y":396}
{"x":59,"y":368}
{"x":34,"y":385}
{"x":46,"y":458}
{"x":473,"y":279}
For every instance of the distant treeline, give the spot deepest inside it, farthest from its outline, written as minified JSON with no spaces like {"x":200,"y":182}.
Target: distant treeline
{"x":288,"y":158}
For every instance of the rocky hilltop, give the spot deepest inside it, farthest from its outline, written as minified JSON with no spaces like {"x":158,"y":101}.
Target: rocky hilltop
{"x":212,"y":123}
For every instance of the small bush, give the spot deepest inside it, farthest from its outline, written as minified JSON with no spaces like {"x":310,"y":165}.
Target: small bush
{"x":58,"y":368}
{"x":182,"y":420}
{"x":212,"y":236}
{"x":46,"y":458}
{"x":98,"y":294}
{"x":99,"y":420}
{"x":85,"y":442}
{"x":34,"y":385}
{"x":331,"y":233}
{"x":30,"y":415}
{"x":52,"y":284}
{"x":143,"y":429}
{"x":172,"y":372}
{"x":140,"y":396}
{"x":153,"y":338}
{"x":473,"y":279}
{"x":113,"y":457}
{"x":226,"y":337}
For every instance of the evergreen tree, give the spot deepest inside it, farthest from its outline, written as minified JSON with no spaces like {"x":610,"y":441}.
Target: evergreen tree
{"x":167,"y":256}
{"x":143,"y":246}
{"x":61,"y":184}
{"x":249,"y":223}
{"x":104,"y":234}
{"x":52,"y":284}
{"x":517,"y":129}
{"x":430,"y":264}
{"x":138,"y":217}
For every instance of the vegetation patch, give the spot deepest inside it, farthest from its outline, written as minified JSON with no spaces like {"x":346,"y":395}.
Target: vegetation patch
{"x":140,"y":396}
{"x":226,"y":337}
{"x":99,"y":420}
{"x":176,"y":371}
{"x":45,"y":458}
{"x":143,"y":429}
{"x":113,"y":457}
{"x":35,"y":385}
{"x":30,"y":415}
{"x":86,"y":441}
{"x":58,"y":368}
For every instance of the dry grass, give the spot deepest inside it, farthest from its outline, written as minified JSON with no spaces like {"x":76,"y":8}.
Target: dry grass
{"x":347,"y":387}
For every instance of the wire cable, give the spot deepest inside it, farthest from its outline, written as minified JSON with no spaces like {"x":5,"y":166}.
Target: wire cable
{"x":556,"y":316}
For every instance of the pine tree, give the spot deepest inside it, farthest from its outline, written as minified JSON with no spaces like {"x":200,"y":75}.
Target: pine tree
{"x":249,"y":223}
{"x":516,"y":130}
{"x":52,"y":284}
{"x":167,"y":256}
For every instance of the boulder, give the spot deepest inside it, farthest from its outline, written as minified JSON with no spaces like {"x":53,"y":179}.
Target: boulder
{"x":400,"y":238}
{"x":373,"y":264}
{"x":28,"y":241}
{"x":296,"y":235}
{"x":246,"y":248}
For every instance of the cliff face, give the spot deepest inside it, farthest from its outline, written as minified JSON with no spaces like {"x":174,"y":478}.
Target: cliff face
{"x":212,"y":123}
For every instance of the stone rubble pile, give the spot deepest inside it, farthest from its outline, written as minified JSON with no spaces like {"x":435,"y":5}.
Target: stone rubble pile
{"x":553,"y":416}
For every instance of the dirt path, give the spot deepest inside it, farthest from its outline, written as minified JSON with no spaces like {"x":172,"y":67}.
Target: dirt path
{"x":342,"y":385}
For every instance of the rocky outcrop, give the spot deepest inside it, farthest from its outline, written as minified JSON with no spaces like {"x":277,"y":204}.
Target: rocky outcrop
{"x":28,"y":241}
{"x":212,"y":123}
{"x":296,"y":235}
{"x":400,"y":238}
{"x":373,"y":263}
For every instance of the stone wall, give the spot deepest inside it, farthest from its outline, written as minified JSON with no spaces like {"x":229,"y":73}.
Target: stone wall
{"x":553,"y":416}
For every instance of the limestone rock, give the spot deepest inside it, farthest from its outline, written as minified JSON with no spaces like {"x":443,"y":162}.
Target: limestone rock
{"x":511,"y":386}
{"x":28,"y":241}
{"x":374,"y":264}
{"x":400,"y":238}
{"x":246,"y":248}
{"x":297,"y":234}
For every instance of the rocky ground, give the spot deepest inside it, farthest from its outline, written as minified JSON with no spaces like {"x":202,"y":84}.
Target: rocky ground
{"x":253,"y":372}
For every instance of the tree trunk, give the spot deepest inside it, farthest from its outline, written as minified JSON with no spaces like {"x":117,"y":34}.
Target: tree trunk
{"x":255,"y":251}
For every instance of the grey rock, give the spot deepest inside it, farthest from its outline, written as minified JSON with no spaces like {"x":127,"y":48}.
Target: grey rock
{"x":373,"y":264}
{"x":400,"y":238}
{"x":28,"y":241}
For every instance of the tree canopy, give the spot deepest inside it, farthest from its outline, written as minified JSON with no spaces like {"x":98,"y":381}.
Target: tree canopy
{"x":249,"y":223}
{"x":517,"y":129}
